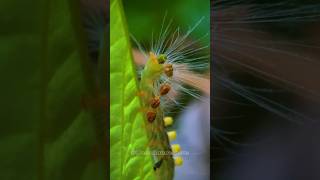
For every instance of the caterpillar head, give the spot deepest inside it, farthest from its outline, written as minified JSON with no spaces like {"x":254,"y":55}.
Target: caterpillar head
{"x":154,"y":68}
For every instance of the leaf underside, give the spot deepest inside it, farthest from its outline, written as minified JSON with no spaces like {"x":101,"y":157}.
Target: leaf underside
{"x":127,"y":131}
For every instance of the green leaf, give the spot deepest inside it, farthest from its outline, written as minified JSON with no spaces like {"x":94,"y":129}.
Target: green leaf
{"x":127,"y":132}
{"x":46,"y":132}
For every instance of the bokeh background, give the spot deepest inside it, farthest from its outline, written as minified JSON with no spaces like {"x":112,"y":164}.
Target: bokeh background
{"x":266,"y":100}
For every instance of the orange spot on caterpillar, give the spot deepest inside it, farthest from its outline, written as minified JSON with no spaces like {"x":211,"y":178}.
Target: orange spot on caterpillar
{"x":153,"y":57}
{"x":151,"y":116}
{"x":168,"y":70}
{"x":141,"y":93}
{"x":164,"y":89}
{"x":155,"y":102}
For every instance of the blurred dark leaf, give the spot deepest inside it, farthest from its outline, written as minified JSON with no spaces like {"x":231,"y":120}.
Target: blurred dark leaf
{"x":46,"y":133}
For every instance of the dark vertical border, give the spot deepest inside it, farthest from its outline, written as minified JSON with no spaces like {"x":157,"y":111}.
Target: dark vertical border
{"x":108,"y":87}
{"x":211,"y":86}
{"x":94,"y":90}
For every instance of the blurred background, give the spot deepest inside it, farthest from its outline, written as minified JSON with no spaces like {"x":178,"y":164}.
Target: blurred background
{"x":52,"y":109}
{"x":266,"y":90}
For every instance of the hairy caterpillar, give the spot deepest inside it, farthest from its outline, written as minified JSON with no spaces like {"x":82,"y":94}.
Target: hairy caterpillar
{"x":164,"y":73}
{"x":168,"y":63}
{"x":155,"y":126}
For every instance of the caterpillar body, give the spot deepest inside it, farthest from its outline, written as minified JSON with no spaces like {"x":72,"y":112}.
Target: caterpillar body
{"x":159,"y":142}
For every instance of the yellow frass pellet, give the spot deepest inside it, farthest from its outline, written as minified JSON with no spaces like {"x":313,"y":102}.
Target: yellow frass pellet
{"x":168,"y":121}
{"x":178,"y":161}
{"x":172,"y":135}
{"x":175,"y":148}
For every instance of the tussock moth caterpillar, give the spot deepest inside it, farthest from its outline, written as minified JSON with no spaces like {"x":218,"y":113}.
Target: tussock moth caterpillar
{"x":165,"y":72}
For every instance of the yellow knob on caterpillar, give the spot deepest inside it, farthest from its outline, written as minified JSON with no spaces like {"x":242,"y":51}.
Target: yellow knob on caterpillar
{"x":172,"y":135}
{"x":168,"y":121}
{"x":175,"y":148}
{"x":178,"y":161}
{"x":162,"y":58}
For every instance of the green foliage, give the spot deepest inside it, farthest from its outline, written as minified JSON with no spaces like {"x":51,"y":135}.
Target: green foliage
{"x":127,"y":132}
{"x":148,"y":15}
{"x":45,"y":133}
